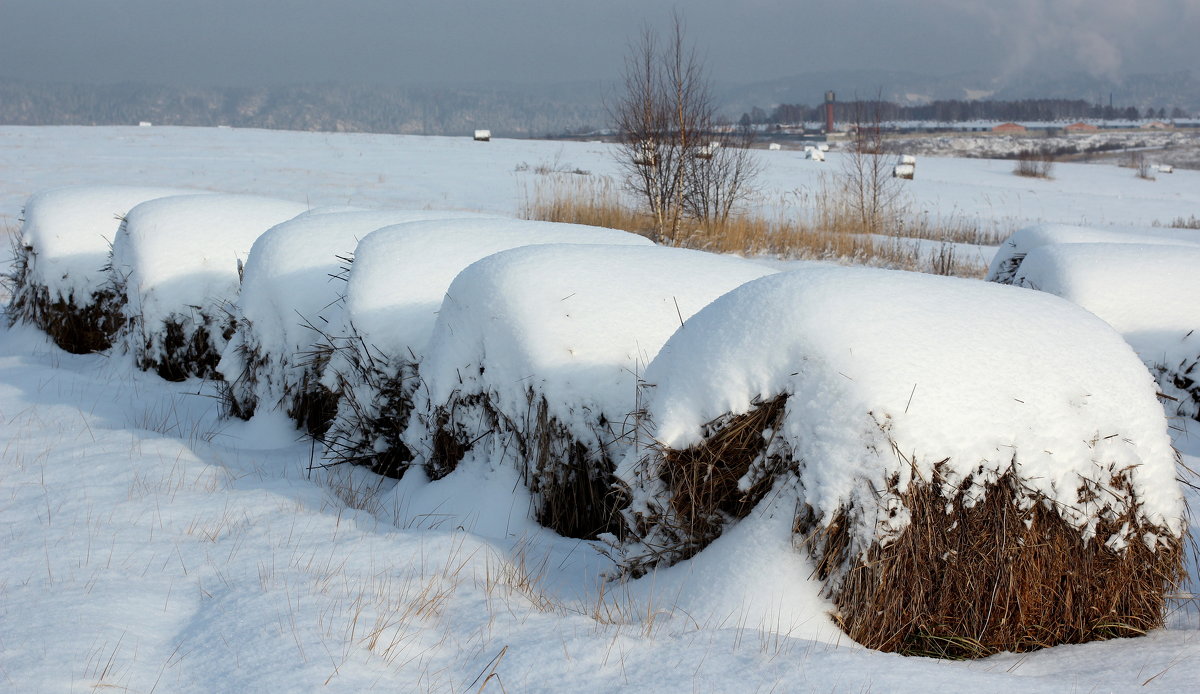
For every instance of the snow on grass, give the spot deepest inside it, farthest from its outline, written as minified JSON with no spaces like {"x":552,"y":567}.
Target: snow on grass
{"x":176,"y":262}
{"x":290,"y":293}
{"x":534,"y":364}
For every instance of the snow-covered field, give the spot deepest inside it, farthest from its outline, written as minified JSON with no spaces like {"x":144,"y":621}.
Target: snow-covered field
{"x":149,"y":545}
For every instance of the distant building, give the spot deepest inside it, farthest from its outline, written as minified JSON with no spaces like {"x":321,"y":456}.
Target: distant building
{"x":1081,"y":127}
{"x":1010,"y":129}
{"x":1158,"y":125}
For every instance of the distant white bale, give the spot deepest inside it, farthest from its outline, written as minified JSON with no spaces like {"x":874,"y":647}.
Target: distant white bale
{"x":292,"y":284}
{"x":1010,"y":254}
{"x":1166,"y":168}
{"x":534,"y":364}
{"x":920,"y":431}
{"x":483,"y":135}
{"x":774,"y":147}
{"x":144,"y":124}
{"x":397,"y":282}
{"x":176,"y":262}
{"x":1148,"y":293}
{"x":63,"y":249}
{"x":816,"y":155}
{"x":905,"y":171}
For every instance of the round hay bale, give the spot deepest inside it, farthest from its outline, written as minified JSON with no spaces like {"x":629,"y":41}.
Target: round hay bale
{"x":58,"y":280}
{"x":972,"y":468}
{"x":534,"y":362}
{"x":1148,"y":293}
{"x":176,"y":269}
{"x":396,"y":285}
{"x":1012,"y":252}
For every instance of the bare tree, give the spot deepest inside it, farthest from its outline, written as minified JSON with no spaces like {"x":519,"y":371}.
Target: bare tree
{"x":667,"y":122}
{"x":873,"y":194}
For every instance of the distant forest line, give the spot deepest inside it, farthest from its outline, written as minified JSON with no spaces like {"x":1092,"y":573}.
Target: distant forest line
{"x":956,"y":111}
{"x":506,"y":110}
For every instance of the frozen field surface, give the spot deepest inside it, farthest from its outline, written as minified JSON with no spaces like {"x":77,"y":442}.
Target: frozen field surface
{"x":149,"y":546}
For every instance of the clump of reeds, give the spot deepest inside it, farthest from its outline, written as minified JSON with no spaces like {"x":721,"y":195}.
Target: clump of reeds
{"x":1035,"y":163}
{"x":829,"y":229}
{"x":77,"y":325}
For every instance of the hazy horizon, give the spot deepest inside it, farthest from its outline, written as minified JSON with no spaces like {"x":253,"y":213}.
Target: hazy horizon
{"x":462,"y":42}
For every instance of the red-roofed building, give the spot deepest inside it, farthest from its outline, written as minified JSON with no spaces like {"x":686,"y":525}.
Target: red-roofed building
{"x":1010,"y":128}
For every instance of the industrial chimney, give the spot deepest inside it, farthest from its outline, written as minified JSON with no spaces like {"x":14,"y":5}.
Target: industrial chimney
{"x":828,"y":112}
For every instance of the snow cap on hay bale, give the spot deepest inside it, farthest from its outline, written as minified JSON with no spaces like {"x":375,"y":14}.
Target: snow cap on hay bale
{"x":1148,"y":293}
{"x":534,"y":359}
{"x":176,"y":265}
{"x":971,"y":468}
{"x":292,"y":283}
{"x":396,"y":285}
{"x":59,"y":283}
{"x":1008,"y":257}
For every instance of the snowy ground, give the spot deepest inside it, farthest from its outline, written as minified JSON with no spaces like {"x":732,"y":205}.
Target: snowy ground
{"x":149,"y":546}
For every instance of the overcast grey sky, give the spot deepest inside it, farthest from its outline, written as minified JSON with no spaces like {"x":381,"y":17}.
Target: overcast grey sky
{"x":243,"y":42}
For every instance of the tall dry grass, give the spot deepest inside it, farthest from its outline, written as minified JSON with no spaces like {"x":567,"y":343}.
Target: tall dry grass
{"x":827,"y":229}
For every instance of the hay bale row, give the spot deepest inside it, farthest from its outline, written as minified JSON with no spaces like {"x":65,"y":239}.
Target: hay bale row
{"x":394,"y":292}
{"x":291,"y":290}
{"x":533,"y":365}
{"x":949,"y":507}
{"x":58,"y":280}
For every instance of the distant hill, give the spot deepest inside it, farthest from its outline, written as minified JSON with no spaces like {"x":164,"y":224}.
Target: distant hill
{"x":507,"y":110}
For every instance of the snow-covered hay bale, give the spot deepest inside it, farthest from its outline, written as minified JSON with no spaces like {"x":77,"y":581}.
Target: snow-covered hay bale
{"x":534,"y":362}
{"x":176,"y":267}
{"x":397,"y":281}
{"x":292,"y":285}
{"x":971,"y":468}
{"x":1148,"y":293}
{"x":58,"y":282}
{"x":1014,"y":249}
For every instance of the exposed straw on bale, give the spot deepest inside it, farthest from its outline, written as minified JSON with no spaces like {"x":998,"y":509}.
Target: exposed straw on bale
{"x":1180,"y":382}
{"x":572,"y":484}
{"x":373,"y":395}
{"x":1004,"y":574}
{"x":707,"y":486}
{"x":77,"y":326}
{"x":306,"y":400}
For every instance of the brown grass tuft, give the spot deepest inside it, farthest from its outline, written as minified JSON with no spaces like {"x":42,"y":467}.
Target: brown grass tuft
{"x":831,"y":229}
